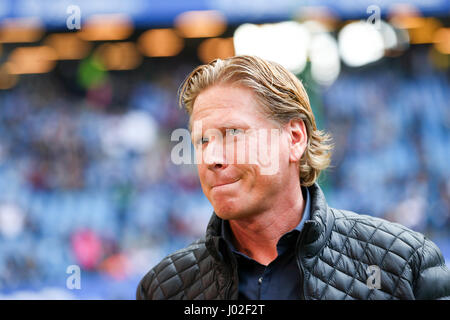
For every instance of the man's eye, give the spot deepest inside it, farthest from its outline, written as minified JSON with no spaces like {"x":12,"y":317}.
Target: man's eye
{"x":202,"y":140}
{"x":234,"y":132}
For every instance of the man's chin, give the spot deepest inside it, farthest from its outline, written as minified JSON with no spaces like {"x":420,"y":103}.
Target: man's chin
{"x":226,"y":212}
{"x":230,"y":212}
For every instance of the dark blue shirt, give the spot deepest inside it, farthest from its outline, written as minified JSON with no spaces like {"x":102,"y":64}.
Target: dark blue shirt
{"x":280,"y":280}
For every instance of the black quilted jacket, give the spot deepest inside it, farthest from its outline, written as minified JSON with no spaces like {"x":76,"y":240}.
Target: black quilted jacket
{"x":334,"y":251}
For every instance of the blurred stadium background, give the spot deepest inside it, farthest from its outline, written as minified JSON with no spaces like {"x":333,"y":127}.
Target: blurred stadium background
{"x":86,"y":117}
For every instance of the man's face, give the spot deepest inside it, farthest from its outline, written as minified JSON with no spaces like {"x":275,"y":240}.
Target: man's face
{"x":236,"y":188}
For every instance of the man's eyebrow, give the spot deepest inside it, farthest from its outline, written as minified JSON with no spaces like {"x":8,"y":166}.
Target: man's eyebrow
{"x":226,"y":125}
{"x":233,"y":124}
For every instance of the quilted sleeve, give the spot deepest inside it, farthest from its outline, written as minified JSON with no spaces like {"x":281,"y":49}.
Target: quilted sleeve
{"x":433,"y":278}
{"x":143,"y":286}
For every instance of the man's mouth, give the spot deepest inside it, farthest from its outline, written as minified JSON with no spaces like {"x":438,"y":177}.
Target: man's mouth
{"x":223,"y":184}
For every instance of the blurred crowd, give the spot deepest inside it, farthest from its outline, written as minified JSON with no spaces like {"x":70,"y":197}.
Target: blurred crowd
{"x":86,"y":176}
{"x":391,"y":126}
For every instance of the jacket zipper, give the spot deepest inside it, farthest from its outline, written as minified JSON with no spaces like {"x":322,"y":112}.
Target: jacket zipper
{"x":227,"y":290}
{"x":300,"y":266}
{"x":233,"y":271}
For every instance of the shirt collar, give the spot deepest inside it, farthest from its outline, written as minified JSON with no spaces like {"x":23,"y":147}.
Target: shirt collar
{"x":306,"y":211}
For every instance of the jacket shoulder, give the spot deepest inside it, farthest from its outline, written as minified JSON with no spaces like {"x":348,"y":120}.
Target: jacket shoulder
{"x":176,"y":276}
{"x":396,"y":250}
{"x":377,"y":231}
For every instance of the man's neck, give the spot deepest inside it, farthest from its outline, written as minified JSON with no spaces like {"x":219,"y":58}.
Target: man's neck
{"x":257,"y":236}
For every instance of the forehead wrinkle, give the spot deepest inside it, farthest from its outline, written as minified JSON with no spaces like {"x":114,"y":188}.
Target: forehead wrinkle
{"x":208,"y":103}
{"x":208,"y":110}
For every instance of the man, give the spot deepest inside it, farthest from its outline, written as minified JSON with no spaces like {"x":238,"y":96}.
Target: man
{"x":272,"y":234}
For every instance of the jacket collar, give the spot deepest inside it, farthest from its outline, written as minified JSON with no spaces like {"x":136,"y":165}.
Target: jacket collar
{"x":316,"y":230}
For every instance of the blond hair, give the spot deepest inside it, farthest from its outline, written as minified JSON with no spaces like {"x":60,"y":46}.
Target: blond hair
{"x":282,"y":97}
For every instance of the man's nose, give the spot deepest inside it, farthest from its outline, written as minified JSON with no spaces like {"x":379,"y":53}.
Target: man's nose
{"x":214,"y":156}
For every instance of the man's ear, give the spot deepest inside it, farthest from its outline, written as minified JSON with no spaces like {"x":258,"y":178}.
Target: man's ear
{"x":296,"y":130}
